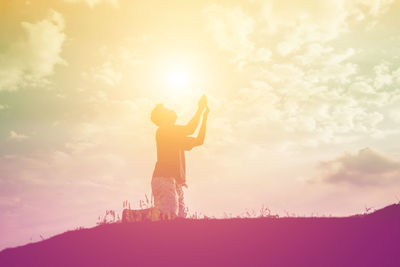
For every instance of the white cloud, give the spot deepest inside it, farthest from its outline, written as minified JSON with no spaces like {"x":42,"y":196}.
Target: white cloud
{"x":367,"y":167}
{"x":308,"y":22}
{"x":107,"y":74}
{"x":93,"y":3}
{"x":17,"y":137}
{"x":383,"y":77}
{"x":396,"y":76}
{"x":231,"y":28}
{"x":313,"y":53}
{"x":262,"y":55}
{"x":376,"y":7}
{"x":30,"y":61}
{"x":367,"y":94}
{"x":323,"y":91}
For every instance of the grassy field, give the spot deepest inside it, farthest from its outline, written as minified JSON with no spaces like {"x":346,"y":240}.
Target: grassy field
{"x":360,"y":240}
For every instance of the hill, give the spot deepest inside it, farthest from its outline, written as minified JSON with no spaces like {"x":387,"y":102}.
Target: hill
{"x":366,"y":240}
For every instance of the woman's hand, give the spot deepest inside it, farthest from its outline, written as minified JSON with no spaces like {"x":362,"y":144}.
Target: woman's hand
{"x":202,"y":102}
{"x":206,"y":111}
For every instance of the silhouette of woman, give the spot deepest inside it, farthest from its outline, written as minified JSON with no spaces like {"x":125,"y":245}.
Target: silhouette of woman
{"x":172,"y":140}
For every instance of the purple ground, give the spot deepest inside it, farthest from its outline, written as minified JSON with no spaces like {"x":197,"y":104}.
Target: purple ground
{"x":370,"y":240}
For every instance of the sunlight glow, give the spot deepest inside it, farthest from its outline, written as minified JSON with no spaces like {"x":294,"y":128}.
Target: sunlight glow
{"x":178,"y":78}
{"x":181,"y":76}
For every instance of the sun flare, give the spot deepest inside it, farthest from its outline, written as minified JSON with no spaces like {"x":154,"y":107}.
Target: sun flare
{"x":178,"y":78}
{"x":181,"y":80}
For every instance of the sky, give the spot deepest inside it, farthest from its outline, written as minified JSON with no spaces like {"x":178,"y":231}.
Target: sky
{"x":304,"y":99}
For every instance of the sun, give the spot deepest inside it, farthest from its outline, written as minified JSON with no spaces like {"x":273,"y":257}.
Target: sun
{"x":178,"y":78}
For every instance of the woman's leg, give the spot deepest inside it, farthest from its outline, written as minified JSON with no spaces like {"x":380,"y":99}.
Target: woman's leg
{"x":181,"y":202}
{"x":165,"y":196}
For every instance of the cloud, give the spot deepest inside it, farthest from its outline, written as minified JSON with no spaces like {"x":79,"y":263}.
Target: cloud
{"x":396,"y":75}
{"x":93,"y":3}
{"x":17,"y":137}
{"x":105,"y":73}
{"x":323,"y":90}
{"x":376,"y":8}
{"x":367,"y":167}
{"x":262,"y":54}
{"x":286,"y":26}
{"x":366,"y":93}
{"x":231,"y":28}
{"x":312,"y":21}
{"x":31,"y":60}
{"x":383,"y":77}
{"x":315,"y":21}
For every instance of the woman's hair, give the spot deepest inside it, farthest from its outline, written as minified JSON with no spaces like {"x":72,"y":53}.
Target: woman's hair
{"x":162,"y":115}
{"x":157,"y":114}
